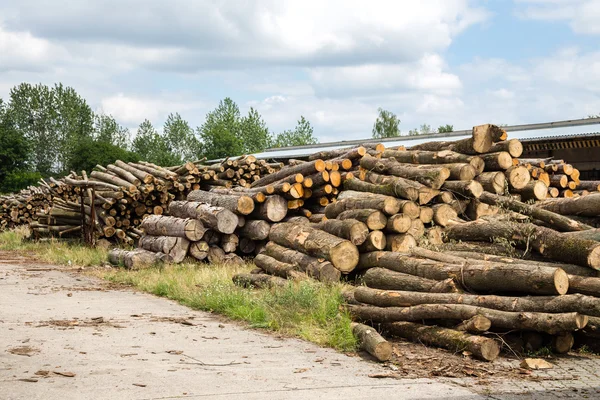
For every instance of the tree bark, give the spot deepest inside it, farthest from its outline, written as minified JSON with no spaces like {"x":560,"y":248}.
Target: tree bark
{"x":351,"y":200}
{"x":586,"y":305}
{"x":136,"y":259}
{"x":589,"y":286}
{"x":160,"y":225}
{"x":402,"y":186}
{"x":400,"y":223}
{"x":342,"y":253}
{"x":374,"y":219}
{"x":402,"y":242}
{"x":124,"y":174}
{"x":513,"y":146}
{"x":585,"y":206}
{"x":432,"y":177}
{"x":497,"y":161}
{"x":434,"y":157}
{"x":442,"y":213}
{"x":529,"y":321}
{"x":305,"y":169}
{"x":278,"y":268}
{"x":138,"y":173}
{"x":388,"y":189}
{"x":481,"y":347}
{"x":554,"y":220}
{"x":255,"y":229}
{"x":238,"y":204}
{"x":548,"y":242}
{"x":534,"y":190}
{"x":494,"y":182}
{"x":175,"y":247}
{"x":113,"y":180}
{"x":321,"y":270}
{"x":477,"y":277}
{"x":382,"y":278}
{"x":470,"y":189}
{"x":199,"y":250}
{"x":475,"y":324}
{"x":372,"y":342}
{"x":214,"y":217}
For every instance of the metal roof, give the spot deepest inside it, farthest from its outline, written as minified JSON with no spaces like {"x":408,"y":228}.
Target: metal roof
{"x":527,"y":132}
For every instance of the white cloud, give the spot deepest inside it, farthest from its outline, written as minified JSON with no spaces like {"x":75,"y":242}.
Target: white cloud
{"x":582,"y":15}
{"x":22,"y":51}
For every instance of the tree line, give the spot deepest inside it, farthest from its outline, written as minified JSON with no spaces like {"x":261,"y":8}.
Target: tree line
{"x":387,"y":125}
{"x":50,"y":131}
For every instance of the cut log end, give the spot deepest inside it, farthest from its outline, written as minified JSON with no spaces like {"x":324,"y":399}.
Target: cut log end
{"x":594,"y":258}
{"x":344,"y":256}
{"x":561,"y":281}
{"x":245,"y":205}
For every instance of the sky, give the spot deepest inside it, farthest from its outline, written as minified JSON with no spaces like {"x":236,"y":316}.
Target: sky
{"x":335,"y":62}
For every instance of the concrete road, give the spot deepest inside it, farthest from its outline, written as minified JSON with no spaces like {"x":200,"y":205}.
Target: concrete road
{"x":66,"y":336}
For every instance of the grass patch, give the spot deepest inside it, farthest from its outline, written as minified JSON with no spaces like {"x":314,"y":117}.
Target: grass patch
{"x":53,"y":251}
{"x":309,"y":310}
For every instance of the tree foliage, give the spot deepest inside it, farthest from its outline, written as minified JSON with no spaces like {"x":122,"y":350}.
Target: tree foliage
{"x":91,"y":152}
{"x":301,"y":135}
{"x":108,"y":130}
{"x":220,"y":134}
{"x":180,"y":139}
{"x":254,"y":133}
{"x":445,"y":128}
{"x":150,"y":146}
{"x":386,"y":125}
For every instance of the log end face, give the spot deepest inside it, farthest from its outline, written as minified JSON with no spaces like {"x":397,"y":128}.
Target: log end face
{"x":344,"y":256}
{"x":227,"y":221}
{"x":594,"y":258}
{"x":376,"y":221}
{"x":490,"y":350}
{"x":245,"y":205}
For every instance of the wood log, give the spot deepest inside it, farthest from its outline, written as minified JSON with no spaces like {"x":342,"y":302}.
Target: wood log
{"x":238,"y":204}
{"x":470,"y":189}
{"x":218,"y":218}
{"x":402,"y":242}
{"x":352,"y":200}
{"x":547,"y":242}
{"x":442,"y":213}
{"x":113,"y":180}
{"x":493,"y":182}
{"x":390,"y":189}
{"x":199,"y":250}
{"x":255,"y":229}
{"x":350,"y":229}
{"x":559,"y":181}
{"x":351,"y":153}
{"x":592,"y":186}
{"x":160,"y":225}
{"x":403,"y":187}
{"x":432,"y":177}
{"x":136,"y":259}
{"x":475,"y":324}
{"x":554,"y":220}
{"x":537,"y":322}
{"x":229,"y":242}
{"x":259,"y":281}
{"x":274,"y":209}
{"x":434,"y":157}
{"x":567,"y":303}
{"x":278,"y":268}
{"x":143,"y":176}
{"x":457,"y":342}
{"x":305,"y":169}
{"x":382,"y":278}
{"x":477,"y":277}
{"x":534,"y":190}
{"x":376,"y":240}
{"x":374,"y":219}
{"x":372,"y":342}
{"x":481,"y":142}
{"x":400,"y":223}
{"x":318,"y":269}
{"x":589,"y":286}
{"x":341,"y":253}
{"x":513,"y":146}
{"x":497,"y":161}
{"x":175,"y":247}
{"x":585,"y":206}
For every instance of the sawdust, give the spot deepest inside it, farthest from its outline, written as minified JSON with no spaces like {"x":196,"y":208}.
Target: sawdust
{"x":96,"y":322}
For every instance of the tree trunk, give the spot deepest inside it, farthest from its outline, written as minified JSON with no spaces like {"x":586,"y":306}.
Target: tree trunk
{"x":402,"y":186}
{"x":481,"y":347}
{"x":477,"y":277}
{"x":401,"y":243}
{"x":554,"y":220}
{"x":494,"y":182}
{"x":274,"y":209}
{"x":381,"y":278}
{"x":585,"y":206}
{"x":371,"y":341}
{"x":497,"y":161}
{"x":351,"y":200}
{"x":567,"y":303}
{"x":175,"y":247}
{"x":548,"y":242}
{"x":350,"y":229}
{"x":342,"y":253}
{"x":534,"y":190}
{"x":259,"y":281}
{"x":592,"y":186}
{"x":136,"y":259}
{"x":517,"y":177}
{"x":513,"y":146}
{"x":214,"y":217}
{"x":160,"y":225}
{"x":388,"y":189}
{"x":255,"y":229}
{"x":376,"y":240}
{"x":584,"y":285}
{"x":537,"y":322}
{"x":275,"y":267}
{"x":374,"y":219}
{"x":318,"y":269}
{"x":305,"y":169}
{"x":432,"y":177}
{"x":238,"y":204}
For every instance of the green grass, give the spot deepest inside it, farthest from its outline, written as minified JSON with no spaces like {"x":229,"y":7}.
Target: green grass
{"x":310,"y":310}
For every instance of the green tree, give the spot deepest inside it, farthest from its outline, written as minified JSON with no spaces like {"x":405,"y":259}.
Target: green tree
{"x":413,"y":132}
{"x":53,"y":120}
{"x":14,"y":149}
{"x":425,"y":129}
{"x":150,"y":146}
{"x":220,"y":134}
{"x":446,"y":128}
{"x":108,"y":130}
{"x":386,"y":125}
{"x":254,"y":133}
{"x":300,"y":136}
{"x":91,"y":152}
{"x":180,"y":138}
